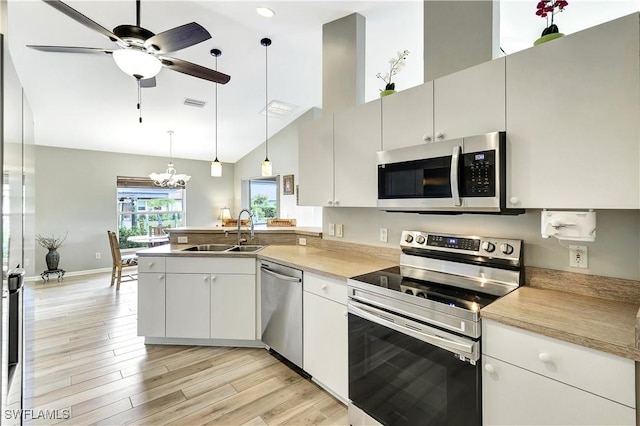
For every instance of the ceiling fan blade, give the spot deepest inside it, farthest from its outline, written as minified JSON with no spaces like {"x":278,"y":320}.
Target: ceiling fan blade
{"x":71,"y":49}
{"x":148,"y":82}
{"x":194,"y":70}
{"x":87,"y":22}
{"x":177,"y":38}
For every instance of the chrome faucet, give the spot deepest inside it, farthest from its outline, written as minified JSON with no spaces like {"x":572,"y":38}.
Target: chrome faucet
{"x":244,"y":240}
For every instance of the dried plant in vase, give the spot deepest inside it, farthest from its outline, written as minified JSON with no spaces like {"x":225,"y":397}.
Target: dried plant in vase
{"x":52,"y":244}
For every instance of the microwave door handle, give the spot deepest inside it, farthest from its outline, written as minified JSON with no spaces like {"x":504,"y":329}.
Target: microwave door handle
{"x":455,"y":187}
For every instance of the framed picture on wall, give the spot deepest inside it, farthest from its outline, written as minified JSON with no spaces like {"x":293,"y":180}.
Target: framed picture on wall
{"x":287,"y":185}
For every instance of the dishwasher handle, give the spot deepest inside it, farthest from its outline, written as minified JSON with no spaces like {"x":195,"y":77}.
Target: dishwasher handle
{"x":280,"y":276}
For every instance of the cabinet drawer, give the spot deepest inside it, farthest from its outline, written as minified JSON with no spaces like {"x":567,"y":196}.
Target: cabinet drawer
{"x":207,"y":265}
{"x":151,"y":264}
{"x":603,"y":374}
{"x":335,"y":290}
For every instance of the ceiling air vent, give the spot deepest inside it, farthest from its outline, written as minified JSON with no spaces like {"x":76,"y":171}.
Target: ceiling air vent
{"x":194,"y":103}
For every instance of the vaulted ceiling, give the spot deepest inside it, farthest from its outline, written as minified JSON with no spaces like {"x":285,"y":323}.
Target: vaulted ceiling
{"x":86,"y":102}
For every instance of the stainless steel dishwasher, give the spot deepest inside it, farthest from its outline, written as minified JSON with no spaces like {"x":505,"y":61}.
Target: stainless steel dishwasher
{"x":281,"y":306}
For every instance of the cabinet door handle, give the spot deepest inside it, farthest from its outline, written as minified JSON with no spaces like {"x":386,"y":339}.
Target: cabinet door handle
{"x":426,"y":138}
{"x":330,"y":202}
{"x":345,"y":313}
{"x":205,"y":278}
{"x":151,"y":264}
{"x":489,"y":368}
{"x":545,"y":357}
{"x":160,"y":277}
{"x":213,"y":278}
{"x":336,"y":202}
{"x":440,"y":135}
{"x":323,"y":287}
{"x":514,"y":200}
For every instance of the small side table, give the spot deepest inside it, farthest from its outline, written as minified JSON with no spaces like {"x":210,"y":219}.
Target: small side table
{"x":58,"y":272}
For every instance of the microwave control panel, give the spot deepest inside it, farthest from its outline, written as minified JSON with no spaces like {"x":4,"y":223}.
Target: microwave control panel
{"x":479,"y":174}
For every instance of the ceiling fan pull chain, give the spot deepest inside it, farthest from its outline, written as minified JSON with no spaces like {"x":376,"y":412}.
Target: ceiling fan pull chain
{"x":139,"y":101}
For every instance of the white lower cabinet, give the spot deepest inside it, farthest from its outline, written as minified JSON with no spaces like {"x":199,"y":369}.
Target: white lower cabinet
{"x":325,"y":353}
{"x":188,"y":305}
{"x":197,"y":298}
{"x":151,"y":297}
{"x":233,"y":306}
{"x":529,"y":379}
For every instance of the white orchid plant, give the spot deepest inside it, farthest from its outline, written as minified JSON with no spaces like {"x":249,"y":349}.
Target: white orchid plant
{"x":395,"y":66}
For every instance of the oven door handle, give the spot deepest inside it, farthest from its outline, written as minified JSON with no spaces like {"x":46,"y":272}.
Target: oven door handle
{"x":399,"y":324}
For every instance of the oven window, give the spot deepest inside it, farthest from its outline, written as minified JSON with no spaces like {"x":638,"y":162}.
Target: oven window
{"x":400,"y":380}
{"x":429,"y":178}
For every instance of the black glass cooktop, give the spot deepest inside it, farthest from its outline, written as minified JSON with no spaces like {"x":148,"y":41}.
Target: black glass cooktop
{"x":392,"y":279}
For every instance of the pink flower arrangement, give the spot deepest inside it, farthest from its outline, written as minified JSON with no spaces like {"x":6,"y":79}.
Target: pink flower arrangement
{"x":550,"y":7}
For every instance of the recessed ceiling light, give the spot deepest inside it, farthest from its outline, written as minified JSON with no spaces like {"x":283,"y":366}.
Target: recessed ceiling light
{"x":265,"y":11}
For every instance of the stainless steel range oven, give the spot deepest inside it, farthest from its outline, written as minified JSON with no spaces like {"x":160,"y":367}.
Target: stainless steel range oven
{"x":414,"y":330}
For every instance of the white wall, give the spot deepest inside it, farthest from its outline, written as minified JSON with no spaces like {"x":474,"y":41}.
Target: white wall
{"x":76,"y":192}
{"x":615,"y":253}
{"x":283,"y":153}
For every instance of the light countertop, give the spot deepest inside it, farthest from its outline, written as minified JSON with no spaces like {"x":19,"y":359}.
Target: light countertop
{"x":597,"y":323}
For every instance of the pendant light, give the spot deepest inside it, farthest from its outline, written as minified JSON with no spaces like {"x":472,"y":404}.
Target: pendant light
{"x":216,"y":165}
{"x":267,"y":168}
{"x":170,"y":179}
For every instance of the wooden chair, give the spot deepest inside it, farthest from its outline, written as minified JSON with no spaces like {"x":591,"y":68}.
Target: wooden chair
{"x":120,"y":262}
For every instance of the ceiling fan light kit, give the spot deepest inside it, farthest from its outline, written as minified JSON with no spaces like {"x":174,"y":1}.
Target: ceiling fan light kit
{"x":216,"y":165}
{"x":137,"y":63}
{"x":267,"y":167}
{"x":170,"y":178}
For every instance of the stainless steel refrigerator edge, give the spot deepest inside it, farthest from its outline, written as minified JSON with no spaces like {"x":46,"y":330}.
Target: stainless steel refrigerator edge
{"x":281,"y":310}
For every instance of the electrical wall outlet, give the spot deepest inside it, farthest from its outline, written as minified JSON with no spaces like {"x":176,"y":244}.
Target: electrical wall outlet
{"x":183,"y":240}
{"x":578,"y":256}
{"x":332,"y":229}
{"x":302,"y":241}
{"x":339,"y":231}
{"x":383,"y":235}
{"x":97,"y":255}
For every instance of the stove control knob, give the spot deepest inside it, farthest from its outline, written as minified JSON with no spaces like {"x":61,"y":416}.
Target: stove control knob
{"x":420,"y":239}
{"x":408,"y":238}
{"x":506,"y":248}
{"x":488,"y":246}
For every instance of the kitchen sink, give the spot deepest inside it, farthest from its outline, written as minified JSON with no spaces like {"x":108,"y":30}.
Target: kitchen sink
{"x":246,"y":248}
{"x":227,"y":248}
{"x":209,"y":247}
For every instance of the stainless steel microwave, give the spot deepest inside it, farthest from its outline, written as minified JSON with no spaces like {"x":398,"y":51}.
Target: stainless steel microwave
{"x":465,"y":175}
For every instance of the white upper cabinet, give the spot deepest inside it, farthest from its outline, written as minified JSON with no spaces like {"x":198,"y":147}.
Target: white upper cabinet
{"x":407,"y":117}
{"x":315,"y":163}
{"x":470,"y":102}
{"x":356,"y":141}
{"x":573,"y":120}
{"x":337,"y":158}
{"x":466,"y":103}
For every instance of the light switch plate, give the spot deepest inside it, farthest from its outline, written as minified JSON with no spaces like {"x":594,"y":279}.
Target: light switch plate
{"x":383,"y":235}
{"x":332,"y":229}
{"x":183,"y":240}
{"x":339,"y":230}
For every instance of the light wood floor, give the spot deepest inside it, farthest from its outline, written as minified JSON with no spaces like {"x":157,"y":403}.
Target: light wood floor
{"x":82,"y":354}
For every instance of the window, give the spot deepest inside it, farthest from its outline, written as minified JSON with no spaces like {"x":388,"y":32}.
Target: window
{"x":144,"y":209}
{"x":260,"y":195}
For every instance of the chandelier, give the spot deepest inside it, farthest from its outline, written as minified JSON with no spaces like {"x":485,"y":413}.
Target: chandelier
{"x":170,"y":179}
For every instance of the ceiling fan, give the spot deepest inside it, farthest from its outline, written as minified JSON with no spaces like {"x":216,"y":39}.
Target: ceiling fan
{"x":141,"y":53}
